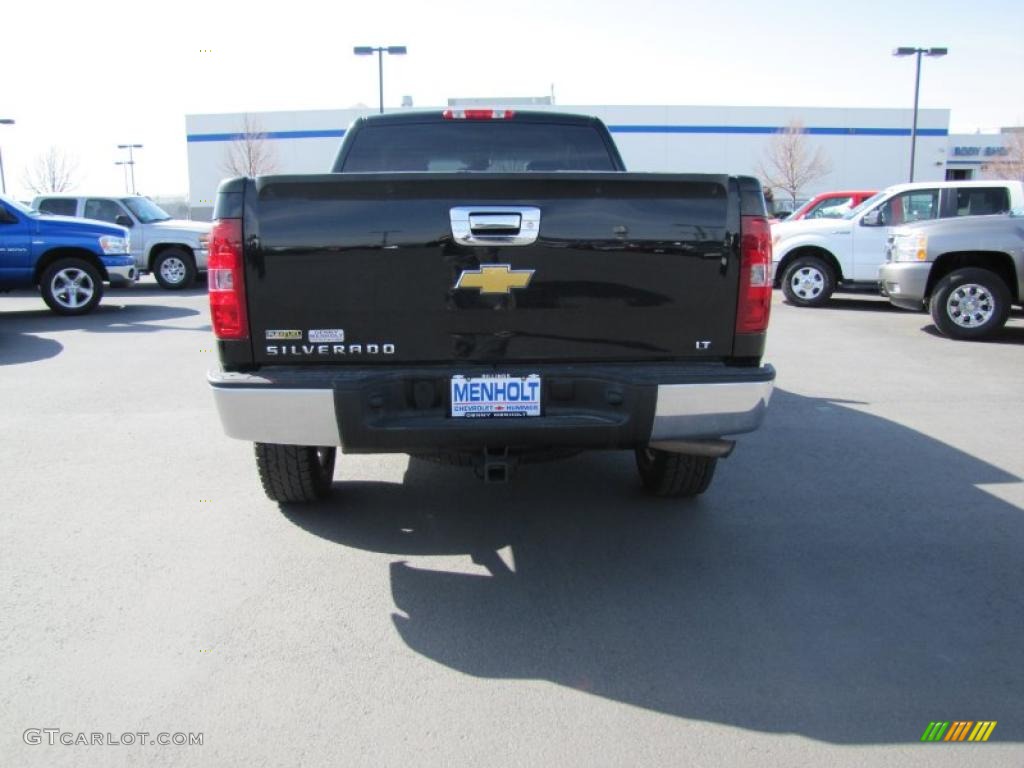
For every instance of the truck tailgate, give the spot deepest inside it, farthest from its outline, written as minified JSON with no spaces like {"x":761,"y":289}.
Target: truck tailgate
{"x":364,"y":268}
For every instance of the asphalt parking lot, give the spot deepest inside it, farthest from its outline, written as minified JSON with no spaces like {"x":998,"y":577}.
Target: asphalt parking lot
{"x":854,"y":572}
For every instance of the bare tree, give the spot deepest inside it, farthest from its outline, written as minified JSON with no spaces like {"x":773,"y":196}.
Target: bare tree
{"x":789,"y":163}
{"x":250,"y":153}
{"x":1010,"y":165}
{"x":52,"y":171}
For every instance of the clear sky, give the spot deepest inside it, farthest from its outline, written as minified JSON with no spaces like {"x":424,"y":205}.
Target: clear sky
{"x":86,"y":76}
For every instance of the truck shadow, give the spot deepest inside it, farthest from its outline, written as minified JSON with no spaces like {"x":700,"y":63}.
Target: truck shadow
{"x":19,"y":344}
{"x":16,"y":348}
{"x":108,"y":317}
{"x":860,"y":304}
{"x":1008,"y":334}
{"x":845,"y":579}
{"x":153,"y":289}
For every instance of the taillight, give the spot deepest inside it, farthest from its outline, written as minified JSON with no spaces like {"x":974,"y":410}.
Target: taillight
{"x":227,"y":280}
{"x":478,"y":114}
{"x":755,"y":302}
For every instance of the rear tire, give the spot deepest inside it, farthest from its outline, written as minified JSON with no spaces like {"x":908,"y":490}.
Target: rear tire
{"x":970,"y":303}
{"x":174,"y":269}
{"x":295,"y":473}
{"x":674,"y":475}
{"x":808,"y":282}
{"x":71,"y":286}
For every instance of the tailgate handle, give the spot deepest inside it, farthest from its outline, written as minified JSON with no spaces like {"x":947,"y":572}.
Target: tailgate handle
{"x":495,"y":224}
{"x":499,"y":223}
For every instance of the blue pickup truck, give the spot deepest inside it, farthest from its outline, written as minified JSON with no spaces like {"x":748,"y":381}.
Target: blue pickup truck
{"x":69,"y":259}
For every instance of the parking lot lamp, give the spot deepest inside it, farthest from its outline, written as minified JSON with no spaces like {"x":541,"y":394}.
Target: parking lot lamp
{"x":910,"y":51}
{"x":124,"y":164}
{"x":3,"y":181}
{"x":369,"y":50}
{"x":131,"y":160}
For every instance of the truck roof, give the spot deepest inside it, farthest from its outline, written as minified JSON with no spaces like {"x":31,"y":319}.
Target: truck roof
{"x":954,"y":184}
{"x":519,"y":115}
{"x":78,"y":196}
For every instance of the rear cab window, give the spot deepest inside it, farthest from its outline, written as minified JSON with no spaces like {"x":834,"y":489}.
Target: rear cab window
{"x":57,"y":206}
{"x":982,"y":201}
{"x":494,"y":146}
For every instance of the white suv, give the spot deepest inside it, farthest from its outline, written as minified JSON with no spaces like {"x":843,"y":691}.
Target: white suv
{"x":812,"y":258}
{"x":172,"y":249}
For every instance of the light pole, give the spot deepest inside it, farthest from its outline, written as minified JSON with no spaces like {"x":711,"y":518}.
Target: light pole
{"x":910,"y":51}
{"x":131,"y":160}
{"x":3,"y":181}
{"x":369,"y":50}
{"x":125,"y":165}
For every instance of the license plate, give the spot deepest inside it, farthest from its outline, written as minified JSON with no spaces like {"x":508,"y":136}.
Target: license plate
{"x":495,"y":396}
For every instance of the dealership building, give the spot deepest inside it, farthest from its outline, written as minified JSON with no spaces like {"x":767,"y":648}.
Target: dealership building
{"x":865,"y":148}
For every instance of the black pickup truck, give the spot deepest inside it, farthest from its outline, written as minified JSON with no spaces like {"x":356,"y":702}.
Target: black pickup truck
{"x":485,"y":288}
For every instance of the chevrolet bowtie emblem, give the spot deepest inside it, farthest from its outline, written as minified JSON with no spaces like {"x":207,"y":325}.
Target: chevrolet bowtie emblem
{"x":495,"y":278}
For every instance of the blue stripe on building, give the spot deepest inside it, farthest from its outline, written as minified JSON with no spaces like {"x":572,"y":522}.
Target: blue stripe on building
{"x":334,"y":133}
{"x":691,"y":129}
{"x":768,"y":129}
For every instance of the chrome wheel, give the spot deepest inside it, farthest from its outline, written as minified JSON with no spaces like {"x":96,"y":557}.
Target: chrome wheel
{"x":807,"y":283}
{"x":72,"y":287}
{"x":970,"y":305}
{"x":173,"y":270}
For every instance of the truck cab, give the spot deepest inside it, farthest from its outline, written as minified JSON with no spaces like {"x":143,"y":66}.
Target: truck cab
{"x":174,"y":250}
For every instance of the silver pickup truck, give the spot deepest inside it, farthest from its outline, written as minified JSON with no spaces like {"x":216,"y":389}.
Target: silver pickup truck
{"x":173,"y":250}
{"x":966,"y":271}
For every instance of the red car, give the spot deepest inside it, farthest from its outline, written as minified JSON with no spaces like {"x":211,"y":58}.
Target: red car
{"x":829,"y":205}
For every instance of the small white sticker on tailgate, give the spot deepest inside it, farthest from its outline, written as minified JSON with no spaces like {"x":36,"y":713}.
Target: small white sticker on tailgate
{"x":326,"y":335}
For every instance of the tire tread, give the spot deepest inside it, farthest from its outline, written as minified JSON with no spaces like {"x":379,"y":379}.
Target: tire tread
{"x":676,"y":474}
{"x":291,"y":473}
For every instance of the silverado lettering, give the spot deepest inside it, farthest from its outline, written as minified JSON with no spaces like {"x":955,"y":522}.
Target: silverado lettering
{"x":330,"y":349}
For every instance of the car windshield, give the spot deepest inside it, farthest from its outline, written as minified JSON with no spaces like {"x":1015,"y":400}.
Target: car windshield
{"x":19,"y":207}
{"x":799,"y":210}
{"x":865,"y":205}
{"x":146,"y":210}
